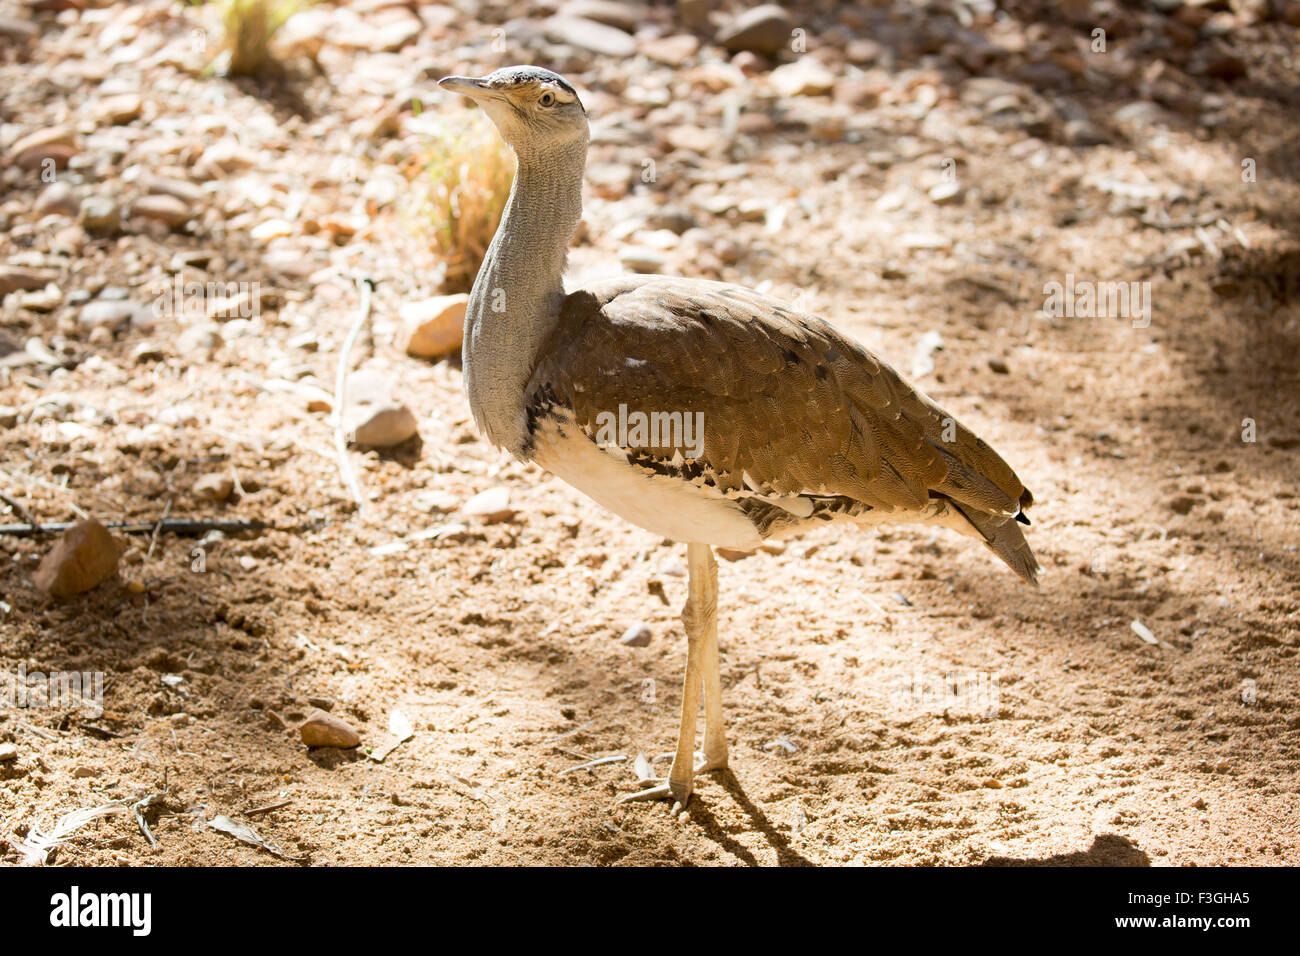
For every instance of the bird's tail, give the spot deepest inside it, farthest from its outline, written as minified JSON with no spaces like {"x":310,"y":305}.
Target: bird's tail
{"x":1003,"y":537}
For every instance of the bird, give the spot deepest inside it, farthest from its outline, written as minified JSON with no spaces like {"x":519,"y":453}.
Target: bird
{"x":702,"y":411}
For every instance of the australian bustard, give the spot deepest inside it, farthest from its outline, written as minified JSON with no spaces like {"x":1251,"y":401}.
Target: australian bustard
{"x":801,"y":425}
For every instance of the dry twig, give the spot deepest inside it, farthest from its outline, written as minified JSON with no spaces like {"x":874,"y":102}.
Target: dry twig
{"x":341,"y":393}
{"x":164,"y":525}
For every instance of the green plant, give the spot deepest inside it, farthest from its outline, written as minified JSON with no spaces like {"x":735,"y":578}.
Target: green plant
{"x":461,"y":183}
{"x":249,"y":27}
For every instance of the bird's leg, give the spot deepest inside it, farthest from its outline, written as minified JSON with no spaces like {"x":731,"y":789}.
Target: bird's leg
{"x":680,"y":780}
{"x":715,"y":734}
{"x":700,"y":617}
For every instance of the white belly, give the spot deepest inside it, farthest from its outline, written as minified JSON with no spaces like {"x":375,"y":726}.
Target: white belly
{"x":666,"y":506}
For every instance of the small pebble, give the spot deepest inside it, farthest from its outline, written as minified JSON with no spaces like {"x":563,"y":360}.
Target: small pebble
{"x":945,"y":193}
{"x":638,"y":635}
{"x":166,"y":209}
{"x":84,"y":557}
{"x":732,"y":554}
{"x":434,"y":327}
{"x":1144,"y":632}
{"x":322,"y":729}
{"x":642,"y":260}
{"x":492,"y":506}
{"x":374,"y":417}
{"x":216,"y":487}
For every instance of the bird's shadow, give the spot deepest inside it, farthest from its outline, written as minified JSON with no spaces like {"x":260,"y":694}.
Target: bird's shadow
{"x":786,"y":855}
{"x":1108,"y":849}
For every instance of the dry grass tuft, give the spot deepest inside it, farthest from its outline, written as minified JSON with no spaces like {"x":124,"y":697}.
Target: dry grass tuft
{"x":249,"y":27}
{"x":461,"y":184}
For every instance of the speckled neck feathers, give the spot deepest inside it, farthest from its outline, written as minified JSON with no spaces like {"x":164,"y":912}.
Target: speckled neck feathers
{"x":517,"y":295}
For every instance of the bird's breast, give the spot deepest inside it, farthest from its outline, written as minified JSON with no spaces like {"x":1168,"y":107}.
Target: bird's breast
{"x":664,"y":504}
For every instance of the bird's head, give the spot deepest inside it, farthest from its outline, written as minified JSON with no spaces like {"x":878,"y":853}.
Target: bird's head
{"x":532,"y":107}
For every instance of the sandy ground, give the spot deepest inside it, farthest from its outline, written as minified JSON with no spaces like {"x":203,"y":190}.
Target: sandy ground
{"x":1065,"y":738}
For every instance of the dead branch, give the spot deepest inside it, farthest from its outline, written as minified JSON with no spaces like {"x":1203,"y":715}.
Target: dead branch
{"x":341,"y":394}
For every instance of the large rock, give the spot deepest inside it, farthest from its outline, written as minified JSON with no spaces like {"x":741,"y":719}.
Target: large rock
{"x":434,"y":327}
{"x":84,"y":557}
{"x":764,"y":29}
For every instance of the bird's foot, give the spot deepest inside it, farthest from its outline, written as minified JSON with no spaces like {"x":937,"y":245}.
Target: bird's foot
{"x":709,"y":764}
{"x":665,"y":788}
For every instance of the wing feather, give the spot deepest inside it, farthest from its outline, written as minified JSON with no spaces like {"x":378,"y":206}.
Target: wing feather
{"x":786,"y":399}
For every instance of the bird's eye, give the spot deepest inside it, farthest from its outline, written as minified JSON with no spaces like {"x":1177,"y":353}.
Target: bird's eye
{"x":547,"y":99}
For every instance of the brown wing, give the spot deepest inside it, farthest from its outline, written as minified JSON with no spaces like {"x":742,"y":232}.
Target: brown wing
{"x":789,"y":404}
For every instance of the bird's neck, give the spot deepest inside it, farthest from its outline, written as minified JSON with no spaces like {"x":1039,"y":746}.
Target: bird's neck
{"x":517,"y":295}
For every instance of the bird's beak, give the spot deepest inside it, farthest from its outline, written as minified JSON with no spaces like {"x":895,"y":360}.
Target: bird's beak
{"x":467,"y":86}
